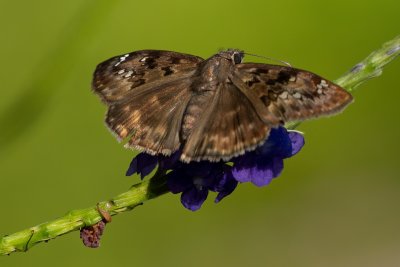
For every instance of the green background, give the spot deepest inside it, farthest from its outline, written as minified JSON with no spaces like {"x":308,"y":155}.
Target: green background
{"x":336,"y":203}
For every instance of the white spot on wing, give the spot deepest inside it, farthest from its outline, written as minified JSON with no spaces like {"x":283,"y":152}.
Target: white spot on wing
{"x":129,"y":74}
{"x":121,"y":59}
{"x":297,"y":95}
{"x":284,"y":95}
{"x":322,"y":85}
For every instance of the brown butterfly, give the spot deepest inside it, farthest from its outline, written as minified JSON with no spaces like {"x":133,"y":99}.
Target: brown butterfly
{"x":213,"y":109}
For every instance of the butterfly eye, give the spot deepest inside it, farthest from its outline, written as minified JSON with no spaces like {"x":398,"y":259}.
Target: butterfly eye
{"x":237,"y":57}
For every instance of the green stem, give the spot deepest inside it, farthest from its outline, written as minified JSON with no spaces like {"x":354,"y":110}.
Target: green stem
{"x":371,"y":66}
{"x":156,"y":186}
{"x":77,"y":219}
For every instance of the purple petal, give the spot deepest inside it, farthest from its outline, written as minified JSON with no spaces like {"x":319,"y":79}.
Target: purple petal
{"x":241,"y":169}
{"x":169,"y":162}
{"x":146,"y":164}
{"x":241,"y":174}
{"x":214,"y":176}
{"x":132,"y":167}
{"x":142,"y":164}
{"x":297,"y":140}
{"x":263,"y":174}
{"x":226,"y":186}
{"x":277,"y":144}
{"x":193,"y":198}
{"x":178,"y":182}
{"x":222,"y":179}
{"x":202,"y":168}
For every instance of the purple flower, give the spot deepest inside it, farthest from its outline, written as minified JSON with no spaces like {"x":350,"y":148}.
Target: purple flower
{"x":194,"y":180}
{"x":266,"y":162}
{"x":144,"y":164}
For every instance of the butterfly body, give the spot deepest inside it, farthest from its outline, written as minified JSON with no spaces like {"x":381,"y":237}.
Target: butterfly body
{"x":214,"y":109}
{"x":212,"y":73}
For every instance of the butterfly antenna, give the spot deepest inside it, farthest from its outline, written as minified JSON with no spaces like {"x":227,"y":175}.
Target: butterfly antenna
{"x":270,"y":58}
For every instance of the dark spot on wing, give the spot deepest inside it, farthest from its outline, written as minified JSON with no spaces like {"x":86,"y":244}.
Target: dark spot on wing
{"x":308,"y":95}
{"x":167,"y":70}
{"x":150,"y":63}
{"x":271,"y":82}
{"x":265,"y":100}
{"x":277,"y":89}
{"x":154,"y":54}
{"x":272,"y":95}
{"x":253,"y":81}
{"x":256,"y":71}
{"x":175,"y":60}
{"x":283,"y":77}
{"x":315,"y":80}
{"x":138,"y":83}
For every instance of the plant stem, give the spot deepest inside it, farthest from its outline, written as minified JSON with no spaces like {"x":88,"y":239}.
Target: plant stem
{"x":156,"y":186}
{"x":371,"y":66}
{"x":77,"y":219}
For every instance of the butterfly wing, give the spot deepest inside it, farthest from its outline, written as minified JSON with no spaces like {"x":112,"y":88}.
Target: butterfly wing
{"x":147,"y":93}
{"x":291,"y":94}
{"x":122,"y":77}
{"x":257,"y":98}
{"x":229,"y":126}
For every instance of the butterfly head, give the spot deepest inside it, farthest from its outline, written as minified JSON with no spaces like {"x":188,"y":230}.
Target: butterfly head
{"x":234,"y":55}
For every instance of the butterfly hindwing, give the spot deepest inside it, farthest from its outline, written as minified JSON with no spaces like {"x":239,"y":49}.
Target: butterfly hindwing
{"x":151,"y":122}
{"x":229,"y":127}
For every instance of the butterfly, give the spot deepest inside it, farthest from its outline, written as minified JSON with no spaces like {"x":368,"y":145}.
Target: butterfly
{"x":160,"y":102}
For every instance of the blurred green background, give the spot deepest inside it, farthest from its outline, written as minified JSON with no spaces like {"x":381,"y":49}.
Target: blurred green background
{"x":336,"y":204}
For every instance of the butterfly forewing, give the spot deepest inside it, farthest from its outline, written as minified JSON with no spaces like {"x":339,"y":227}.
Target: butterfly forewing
{"x":122,"y":77}
{"x":147,"y":92}
{"x":292,"y":94}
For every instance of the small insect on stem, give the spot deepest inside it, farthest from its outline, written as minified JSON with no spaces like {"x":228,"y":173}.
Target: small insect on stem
{"x":104,"y":214}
